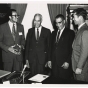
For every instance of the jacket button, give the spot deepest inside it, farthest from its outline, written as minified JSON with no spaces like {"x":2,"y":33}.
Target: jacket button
{"x":36,"y":42}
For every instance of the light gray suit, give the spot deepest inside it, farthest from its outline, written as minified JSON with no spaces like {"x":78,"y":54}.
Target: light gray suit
{"x":80,"y":53}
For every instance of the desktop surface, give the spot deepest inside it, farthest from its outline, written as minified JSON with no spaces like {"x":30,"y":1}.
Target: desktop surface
{"x":16,"y":79}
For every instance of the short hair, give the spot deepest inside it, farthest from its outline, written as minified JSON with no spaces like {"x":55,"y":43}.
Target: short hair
{"x":81,"y":12}
{"x":38,"y":15}
{"x":60,"y":16}
{"x":10,"y":11}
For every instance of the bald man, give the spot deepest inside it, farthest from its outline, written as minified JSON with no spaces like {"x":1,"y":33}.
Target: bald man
{"x":37,"y":52}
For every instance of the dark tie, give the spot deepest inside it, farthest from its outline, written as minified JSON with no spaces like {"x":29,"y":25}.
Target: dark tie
{"x":57,"y":37}
{"x":13,"y":31}
{"x":37,"y":34}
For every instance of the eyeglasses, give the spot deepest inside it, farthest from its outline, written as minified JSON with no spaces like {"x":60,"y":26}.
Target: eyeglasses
{"x":16,"y":15}
{"x":59,"y":22}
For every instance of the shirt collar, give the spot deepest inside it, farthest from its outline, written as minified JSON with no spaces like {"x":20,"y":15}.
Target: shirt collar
{"x":39,"y":28}
{"x":62,"y":29}
{"x":81,"y":25}
{"x":11,"y":23}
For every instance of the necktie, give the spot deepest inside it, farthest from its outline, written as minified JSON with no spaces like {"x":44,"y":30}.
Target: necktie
{"x":13,"y":31}
{"x":57,"y":37}
{"x":37,"y":34}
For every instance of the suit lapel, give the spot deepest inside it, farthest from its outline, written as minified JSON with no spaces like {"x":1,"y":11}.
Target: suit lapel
{"x":9,"y":31}
{"x":62,"y":35}
{"x":17,"y":32}
{"x":33,"y":34}
{"x":81,"y":29}
{"x":55,"y":34}
{"x":78,"y":33}
{"x":42,"y":31}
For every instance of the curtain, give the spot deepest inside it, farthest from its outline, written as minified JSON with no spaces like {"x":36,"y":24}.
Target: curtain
{"x":31,"y":10}
{"x":55,"y":9}
{"x":4,"y":8}
{"x":20,"y":8}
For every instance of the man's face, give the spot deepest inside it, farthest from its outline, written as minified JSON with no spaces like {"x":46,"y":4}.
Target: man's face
{"x":76,"y":19}
{"x":14,"y":17}
{"x":60,"y":23}
{"x":37,"y":21}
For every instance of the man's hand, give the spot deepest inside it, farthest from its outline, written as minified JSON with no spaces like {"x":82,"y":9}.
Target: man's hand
{"x":78,"y":71}
{"x":65,"y":65}
{"x":20,"y":46}
{"x":49,"y":64}
{"x":11,"y":49}
{"x":27,"y":63}
{"x":17,"y":48}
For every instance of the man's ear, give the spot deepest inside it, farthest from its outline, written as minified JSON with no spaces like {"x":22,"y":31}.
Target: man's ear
{"x":9,"y":17}
{"x":80,"y":17}
{"x":64,"y":21}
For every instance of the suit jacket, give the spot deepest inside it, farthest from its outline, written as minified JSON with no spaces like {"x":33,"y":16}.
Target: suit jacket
{"x":38,"y":49}
{"x":61,"y":52}
{"x":6,"y":40}
{"x":80,"y":49}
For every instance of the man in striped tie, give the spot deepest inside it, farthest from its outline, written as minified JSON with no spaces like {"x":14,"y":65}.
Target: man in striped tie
{"x":37,"y":52}
{"x":12,"y":42}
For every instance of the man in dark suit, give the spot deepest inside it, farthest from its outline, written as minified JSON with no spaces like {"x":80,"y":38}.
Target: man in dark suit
{"x":80,"y":46}
{"x":12,"y":42}
{"x":37,"y":51}
{"x":61,"y":49}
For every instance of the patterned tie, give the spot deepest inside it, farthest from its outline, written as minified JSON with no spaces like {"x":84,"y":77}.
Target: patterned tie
{"x":57,"y":37}
{"x":37,"y":34}
{"x":13,"y":31}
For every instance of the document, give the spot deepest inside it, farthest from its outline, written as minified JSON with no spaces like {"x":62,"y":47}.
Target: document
{"x":38,"y":78}
{"x":6,"y":82}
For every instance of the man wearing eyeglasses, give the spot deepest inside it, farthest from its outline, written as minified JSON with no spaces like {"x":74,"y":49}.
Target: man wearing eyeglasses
{"x":61,"y":49}
{"x":12,"y":42}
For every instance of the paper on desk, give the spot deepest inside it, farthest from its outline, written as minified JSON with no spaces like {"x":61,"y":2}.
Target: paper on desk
{"x":6,"y":82}
{"x":38,"y":77}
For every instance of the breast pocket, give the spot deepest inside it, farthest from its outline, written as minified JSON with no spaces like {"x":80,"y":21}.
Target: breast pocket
{"x":20,"y":34}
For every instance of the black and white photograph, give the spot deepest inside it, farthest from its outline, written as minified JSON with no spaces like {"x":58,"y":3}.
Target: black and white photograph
{"x":43,"y":43}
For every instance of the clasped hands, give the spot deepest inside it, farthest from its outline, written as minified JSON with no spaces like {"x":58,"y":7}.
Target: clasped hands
{"x":16,"y":49}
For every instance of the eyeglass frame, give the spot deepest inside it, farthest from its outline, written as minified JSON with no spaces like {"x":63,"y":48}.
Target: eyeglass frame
{"x":15,"y":15}
{"x":59,"y":22}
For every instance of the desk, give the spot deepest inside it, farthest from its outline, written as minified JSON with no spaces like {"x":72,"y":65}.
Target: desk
{"x":50,"y":80}
{"x":53,"y":80}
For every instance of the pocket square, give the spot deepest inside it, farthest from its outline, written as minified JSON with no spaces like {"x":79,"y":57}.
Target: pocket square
{"x":20,"y":33}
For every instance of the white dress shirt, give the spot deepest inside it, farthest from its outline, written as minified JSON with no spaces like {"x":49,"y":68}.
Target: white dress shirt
{"x":11,"y":26}
{"x":39,"y":31}
{"x":61,"y":31}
